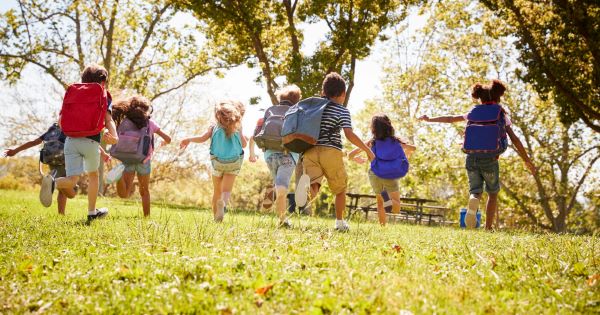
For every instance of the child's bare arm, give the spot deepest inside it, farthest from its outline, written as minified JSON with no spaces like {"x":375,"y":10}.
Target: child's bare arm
{"x":164,"y":136}
{"x":24,"y":146}
{"x":253,"y":157}
{"x":200,"y":139}
{"x":244,"y":139}
{"x":520,"y":149}
{"x":443,"y":119}
{"x":409,"y":149}
{"x":111,"y":137}
{"x":354,"y":139}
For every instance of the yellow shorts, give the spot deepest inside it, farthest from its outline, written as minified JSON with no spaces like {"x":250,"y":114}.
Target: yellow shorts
{"x":326,"y":162}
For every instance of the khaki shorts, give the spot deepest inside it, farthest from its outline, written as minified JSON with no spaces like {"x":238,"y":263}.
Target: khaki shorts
{"x":380,"y":184}
{"x":326,"y":162}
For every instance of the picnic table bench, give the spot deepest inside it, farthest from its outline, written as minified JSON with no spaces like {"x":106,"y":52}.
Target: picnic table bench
{"x":411,"y":209}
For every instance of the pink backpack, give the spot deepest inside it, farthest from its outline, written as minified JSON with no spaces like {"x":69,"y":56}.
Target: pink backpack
{"x":134,"y":143}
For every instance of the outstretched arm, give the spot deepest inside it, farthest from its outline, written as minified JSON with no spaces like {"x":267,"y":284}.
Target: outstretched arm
{"x":24,"y":146}
{"x":409,"y":149}
{"x":200,"y":139}
{"x":111,"y":137}
{"x":166,"y":138}
{"x":520,"y":149}
{"x":354,"y":139}
{"x":443,"y":119}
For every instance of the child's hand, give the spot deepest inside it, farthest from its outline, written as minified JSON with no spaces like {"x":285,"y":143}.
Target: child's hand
{"x":109,"y":139}
{"x":370,"y":155}
{"x":10,"y":152}
{"x":184,"y":144}
{"x":105,"y":157}
{"x":253,"y":158}
{"x":359,"y":159}
{"x":424,"y":118}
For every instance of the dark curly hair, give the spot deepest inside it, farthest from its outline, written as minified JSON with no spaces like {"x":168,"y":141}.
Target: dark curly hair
{"x":489,"y":92}
{"x":136,"y":108}
{"x":333,"y":85}
{"x":381,"y":128}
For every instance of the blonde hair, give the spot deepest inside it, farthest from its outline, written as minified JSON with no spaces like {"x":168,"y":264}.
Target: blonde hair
{"x":229,"y":115}
{"x":290,"y":93}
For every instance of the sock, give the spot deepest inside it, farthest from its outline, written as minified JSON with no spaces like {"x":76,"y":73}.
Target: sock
{"x":225,"y":196}
{"x":92,"y":212}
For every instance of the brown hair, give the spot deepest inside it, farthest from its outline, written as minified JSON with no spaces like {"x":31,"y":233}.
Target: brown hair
{"x":229,"y":115}
{"x":333,"y":85}
{"x":136,"y":108}
{"x":489,"y":92}
{"x":94,"y":73}
{"x":290,"y":93}
{"x":381,"y":128}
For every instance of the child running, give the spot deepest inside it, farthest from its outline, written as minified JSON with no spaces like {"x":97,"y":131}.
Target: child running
{"x":226,"y":152}
{"x":482,"y":164}
{"x":389,"y":165}
{"x":280,"y":162}
{"x":82,"y":150}
{"x":52,"y":154}
{"x":134,"y":112}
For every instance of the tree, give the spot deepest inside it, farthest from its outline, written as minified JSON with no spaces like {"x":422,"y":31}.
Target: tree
{"x":559,"y":43}
{"x":265,"y":34}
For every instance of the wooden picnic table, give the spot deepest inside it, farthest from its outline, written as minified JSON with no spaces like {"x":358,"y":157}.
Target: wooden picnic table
{"x":417,"y":203}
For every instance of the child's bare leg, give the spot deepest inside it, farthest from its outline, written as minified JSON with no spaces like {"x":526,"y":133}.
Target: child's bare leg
{"x":216,"y":192}
{"x":395,"y":196}
{"x":66,"y":185}
{"x":125,"y":185}
{"x":144,"y":181}
{"x":490,"y":210}
{"x":340,"y":205}
{"x":227,"y":186}
{"x":61,"y":200}
{"x":92,"y":190}
{"x":280,"y":199}
{"x":380,"y":210}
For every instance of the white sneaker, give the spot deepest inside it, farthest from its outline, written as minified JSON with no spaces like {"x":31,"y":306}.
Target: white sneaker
{"x":471,"y":217}
{"x":301,"y":193}
{"x":341,"y":226}
{"x":47,"y":190}
{"x":115,"y":174}
{"x":220,"y":211}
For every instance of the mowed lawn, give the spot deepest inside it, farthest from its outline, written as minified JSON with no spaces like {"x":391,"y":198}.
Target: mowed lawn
{"x":179,"y":261}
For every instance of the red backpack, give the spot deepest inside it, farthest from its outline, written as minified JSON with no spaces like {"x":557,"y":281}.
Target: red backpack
{"x":83,"y":110}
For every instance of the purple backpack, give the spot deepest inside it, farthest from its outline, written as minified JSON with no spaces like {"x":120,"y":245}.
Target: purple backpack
{"x":390,"y":161}
{"x":134,"y":144}
{"x":485,"y":135}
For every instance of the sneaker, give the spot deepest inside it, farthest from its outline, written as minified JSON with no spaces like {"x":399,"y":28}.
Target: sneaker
{"x":341,"y":226}
{"x":220,"y":211}
{"x":285,"y":224}
{"x":471,"y":217}
{"x":387,"y":202}
{"x":100,"y":213}
{"x":269,"y":197}
{"x":301,"y":194}
{"x":47,"y":190}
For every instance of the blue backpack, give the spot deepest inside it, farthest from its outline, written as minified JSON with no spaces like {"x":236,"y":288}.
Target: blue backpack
{"x":390,"y":161}
{"x":485,"y":135}
{"x":302,"y":124}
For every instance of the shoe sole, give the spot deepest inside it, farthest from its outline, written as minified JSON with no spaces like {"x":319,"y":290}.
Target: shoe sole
{"x":46,"y":191}
{"x":220,"y":211}
{"x":471,"y":217}
{"x":301,"y":193}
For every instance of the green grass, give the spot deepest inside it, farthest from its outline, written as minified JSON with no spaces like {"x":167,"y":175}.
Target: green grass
{"x":180,"y":261}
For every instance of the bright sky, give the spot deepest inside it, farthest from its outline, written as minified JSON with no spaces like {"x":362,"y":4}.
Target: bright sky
{"x":238,"y":83}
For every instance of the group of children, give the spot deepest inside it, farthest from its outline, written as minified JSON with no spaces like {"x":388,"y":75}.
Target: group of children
{"x":387,"y":153}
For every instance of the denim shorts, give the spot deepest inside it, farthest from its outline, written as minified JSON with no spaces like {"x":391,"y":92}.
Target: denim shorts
{"x":81,"y":154}
{"x":220,"y":167}
{"x":139,"y":168}
{"x":483,"y":171}
{"x":281,"y":165}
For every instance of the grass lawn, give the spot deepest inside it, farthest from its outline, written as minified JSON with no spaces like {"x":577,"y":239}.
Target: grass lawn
{"x":179,"y":261}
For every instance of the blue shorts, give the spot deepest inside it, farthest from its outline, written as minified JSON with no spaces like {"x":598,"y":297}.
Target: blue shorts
{"x":81,"y":154}
{"x":483,"y":171}
{"x":281,"y":165}
{"x":139,"y":168}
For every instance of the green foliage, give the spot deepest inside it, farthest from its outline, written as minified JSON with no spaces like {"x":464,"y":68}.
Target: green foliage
{"x":559,"y":43}
{"x":179,"y":261}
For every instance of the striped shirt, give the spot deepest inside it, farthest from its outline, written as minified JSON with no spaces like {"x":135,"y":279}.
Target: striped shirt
{"x":335,"y":117}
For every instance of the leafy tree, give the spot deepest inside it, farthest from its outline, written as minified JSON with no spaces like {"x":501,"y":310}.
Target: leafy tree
{"x":559,"y":43}
{"x":265,"y":34}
